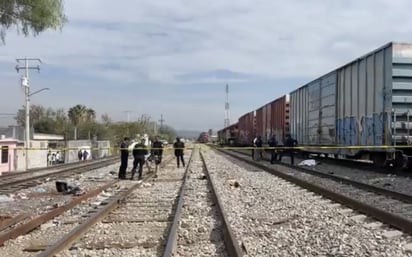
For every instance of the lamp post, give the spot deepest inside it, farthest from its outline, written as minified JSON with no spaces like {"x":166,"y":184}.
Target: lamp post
{"x":26,"y":85}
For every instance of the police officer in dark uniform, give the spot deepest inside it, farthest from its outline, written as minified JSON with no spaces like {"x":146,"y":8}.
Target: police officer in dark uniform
{"x":124,"y":156}
{"x":273,"y":143}
{"x":139,"y":152}
{"x":289,"y":142}
{"x":156,"y":153}
{"x":179,"y":146}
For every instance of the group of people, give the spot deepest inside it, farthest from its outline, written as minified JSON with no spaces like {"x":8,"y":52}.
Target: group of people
{"x":82,"y":155}
{"x":276,"y":155}
{"x":53,"y":158}
{"x":142,"y":156}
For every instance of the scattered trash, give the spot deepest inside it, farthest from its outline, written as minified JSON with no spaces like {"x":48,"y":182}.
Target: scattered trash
{"x":22,"y":196}
{"x":5,"y":198}
{"x":203,"y":176}
{"x":234,"y":183}
{"x":47,"y":225}
{"x":62,"y":187}
{"x":309,"y":163}
{"x":146,"y":185}
{"x":40,"y":190}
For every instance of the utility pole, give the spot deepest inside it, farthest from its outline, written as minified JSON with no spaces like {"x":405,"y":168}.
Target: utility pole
{"x":25,"y":83}
{"x":128,"y":120}
{"x":161,"y":121}
{"x":227,"y":114}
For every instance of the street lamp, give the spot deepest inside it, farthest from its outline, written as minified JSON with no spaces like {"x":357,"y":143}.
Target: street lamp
{"x":38,"y":91}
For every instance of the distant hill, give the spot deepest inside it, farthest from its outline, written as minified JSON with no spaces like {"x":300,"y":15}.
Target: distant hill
{"x":188,"y":133}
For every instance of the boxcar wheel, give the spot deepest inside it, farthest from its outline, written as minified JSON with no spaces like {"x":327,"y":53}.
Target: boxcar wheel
{"x":379,"y":160}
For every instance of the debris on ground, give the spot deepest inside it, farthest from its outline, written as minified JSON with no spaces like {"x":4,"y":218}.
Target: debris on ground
{"x":63,"y":187}
{"x":309,"y":163}
{"x":5,"y":198}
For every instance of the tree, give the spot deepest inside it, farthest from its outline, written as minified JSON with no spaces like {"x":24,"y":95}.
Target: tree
{"x":90,"y":115}
{"x":167,"y":132}
{"x":106,"y":119}
{"x":31,"y":16}
{"x":76,"y":115}
{"x":36,"y":114}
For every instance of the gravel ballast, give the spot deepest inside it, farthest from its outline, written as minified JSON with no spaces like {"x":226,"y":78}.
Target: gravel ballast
{"x":272,"y":217}
{"x":200,"y":230}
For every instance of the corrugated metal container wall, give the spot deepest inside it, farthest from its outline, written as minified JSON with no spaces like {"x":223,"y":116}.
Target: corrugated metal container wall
{"x":313,"y":112}
{"x":268,"y":120}
{"x":263,"y":131}
{"x":401,"y":94}
{"x":362,"y":112}
{"x":280,"y":117}
{"x":242,"y":129}
{"x":369,"y":90}
{"x":246,"y":128}
{"x":252,"y":126}
{"x":352,"y":105}
{"x":299,"y":115}
{"x":259,"y":122}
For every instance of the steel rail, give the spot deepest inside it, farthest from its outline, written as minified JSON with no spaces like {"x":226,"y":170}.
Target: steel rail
{"x":43,"y":218}
{"x":232,"y":247}
{"x":173,"y":232}
{"x":394,"y":220}
{"x":10,"y":174}
{"x":69,"y":170}
{"x":67,"y":240}
{"x":379,"y":190}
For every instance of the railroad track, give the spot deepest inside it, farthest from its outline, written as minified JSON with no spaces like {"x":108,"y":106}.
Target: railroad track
{"x":390,"y":207}
{"x":6,"y":175}
{"x":13,"y":183}
{"x":51,"y":224}
{"x":149,"y":219}
{"x":271,"y":216}
{"x":331,"y":175}
{"x":204,"y":228}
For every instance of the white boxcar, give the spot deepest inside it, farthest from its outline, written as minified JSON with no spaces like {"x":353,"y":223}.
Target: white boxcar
{"x":366,"y":104}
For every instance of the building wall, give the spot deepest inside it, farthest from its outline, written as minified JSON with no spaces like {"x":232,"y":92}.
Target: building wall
{"x":9,"y":165}
{"x":103,"y":149}
{"x":37,"y":155}
{"x":74,"y":146}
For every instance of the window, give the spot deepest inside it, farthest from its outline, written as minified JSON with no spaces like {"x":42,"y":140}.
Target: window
{"x":4,"y":154}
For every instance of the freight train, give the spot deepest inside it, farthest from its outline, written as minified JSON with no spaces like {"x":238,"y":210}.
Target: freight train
{"x":203,"y":137}
{"x":361,"y":110}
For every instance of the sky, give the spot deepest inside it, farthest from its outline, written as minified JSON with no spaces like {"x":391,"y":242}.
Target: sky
{"x":174,"y":57}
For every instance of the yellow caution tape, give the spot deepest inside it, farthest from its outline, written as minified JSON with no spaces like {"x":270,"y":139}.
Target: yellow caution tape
{"x":203,"y":146}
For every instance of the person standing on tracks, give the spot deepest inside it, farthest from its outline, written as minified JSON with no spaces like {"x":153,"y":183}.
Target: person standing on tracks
{"x":156,"y":153}
{"x":139,"y":152}
{"x":273,"y":154}
{"x":124,"y":156}
{"x":179,"y":146}
{"x":289,"y":151}
{"x":253,"y":148}
{"x":259,"y":145}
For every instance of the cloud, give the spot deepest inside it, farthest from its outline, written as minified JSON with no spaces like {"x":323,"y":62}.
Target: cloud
{"x":174,"y":57}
